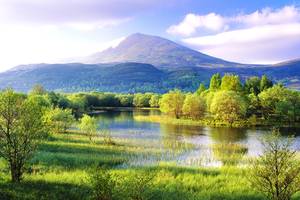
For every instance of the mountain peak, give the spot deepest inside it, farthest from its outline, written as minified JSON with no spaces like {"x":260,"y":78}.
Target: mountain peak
{"x":157,"y":51}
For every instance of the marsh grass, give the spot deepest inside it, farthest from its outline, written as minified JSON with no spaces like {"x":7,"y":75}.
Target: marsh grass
{"x":60,"y":170}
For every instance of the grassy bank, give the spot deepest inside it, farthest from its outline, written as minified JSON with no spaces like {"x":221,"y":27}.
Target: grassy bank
{"x":61,"y":169}
{"x":251,"y":122}
{"x":189,"y":122}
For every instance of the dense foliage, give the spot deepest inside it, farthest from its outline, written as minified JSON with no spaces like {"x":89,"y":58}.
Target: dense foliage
{"x":229,"y":102}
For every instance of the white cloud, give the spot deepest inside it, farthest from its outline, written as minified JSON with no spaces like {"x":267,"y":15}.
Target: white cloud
{"x":192,"y":22}
{"x":287,"y":14}
{"x":261,"y":44}
{"x":262,"y":36}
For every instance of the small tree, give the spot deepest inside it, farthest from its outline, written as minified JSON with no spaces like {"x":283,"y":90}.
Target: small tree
{"x":59,"y":120}
{"x":21,"y":128}
{"x":154,"y":101}
{"x":276,"y":173}
{"x":228,"y":106}
{"x":103,"y":184}
{"x":194,"y":106}
{"x":172,"y":102}
{"x":88,"y":125}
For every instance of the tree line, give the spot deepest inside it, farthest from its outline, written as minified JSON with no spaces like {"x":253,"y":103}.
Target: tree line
{"x":228,"y":100}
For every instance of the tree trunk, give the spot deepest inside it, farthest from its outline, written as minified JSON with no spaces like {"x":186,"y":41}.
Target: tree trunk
{"x":16,"y":173}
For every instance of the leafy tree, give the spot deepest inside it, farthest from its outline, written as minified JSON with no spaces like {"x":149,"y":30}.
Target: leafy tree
{"x":154,"y":101}
{"x":270,"y":97}
{"x":142,"y":100}
{"x":21,"y":128}
{"x":88,"y":125}
{"x":252,"y":85}
{"x":231,"y":83}
{"x":37,"y":90}
{"x":172,"y":103}
{"x":228,"y":106}
{"x":41,"y":100}
{"x":58,"y":100}
{"x":200,"y":89}
{"x":276,"y":173}
{"x":215,"y":82}
{"x":59,"y":120}
{"x":265,"y":83}
{"x":194,"y":106}
{"x":125,"y":100}
{"x":78,"y":104}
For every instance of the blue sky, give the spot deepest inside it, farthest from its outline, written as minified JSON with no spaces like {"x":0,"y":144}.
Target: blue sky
{"x":261,"y":31}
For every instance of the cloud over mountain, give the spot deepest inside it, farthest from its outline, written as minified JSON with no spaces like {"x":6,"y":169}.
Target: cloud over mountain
{"x":263,"y":36}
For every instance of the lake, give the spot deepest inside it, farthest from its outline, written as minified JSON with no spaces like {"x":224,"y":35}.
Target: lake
{"x":188,"y":145}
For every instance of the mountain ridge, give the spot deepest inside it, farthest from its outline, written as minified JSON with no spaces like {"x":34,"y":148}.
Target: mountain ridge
{"x":159,"y":72}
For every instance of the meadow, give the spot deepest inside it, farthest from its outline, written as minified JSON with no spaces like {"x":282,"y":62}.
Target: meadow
{"x":62,"y":166}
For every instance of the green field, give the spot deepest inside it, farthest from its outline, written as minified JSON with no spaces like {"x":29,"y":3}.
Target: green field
{"x":62,"y":165}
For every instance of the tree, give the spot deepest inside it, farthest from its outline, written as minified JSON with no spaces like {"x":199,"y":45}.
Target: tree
{"x":252,"y":85}
{"x":215,"y":82}
{"x":37,"y":90}
{"x":200,"y":89}
{"x":270,"y":97}
{"x":125,"y":100}
{"x":21,"y":128}
{"x":265,"y":83}
{"x":231,"y":83}
{"x":228,"y":106}
{"x":172,"y":102}
{"x":59,"y":120}
{"x":154,"y":101}
{"x":88,"y":125}
{"x":194,"y":106}
{"x":276,"y":173}
{"x":142,"y":100}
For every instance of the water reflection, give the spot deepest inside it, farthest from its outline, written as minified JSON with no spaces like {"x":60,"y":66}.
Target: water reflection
{"x":188,"y":145}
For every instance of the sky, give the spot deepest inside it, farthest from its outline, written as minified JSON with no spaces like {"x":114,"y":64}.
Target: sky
{"x":49,"y":31}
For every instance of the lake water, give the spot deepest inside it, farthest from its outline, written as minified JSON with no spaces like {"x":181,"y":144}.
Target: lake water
{"x":188,"y":145}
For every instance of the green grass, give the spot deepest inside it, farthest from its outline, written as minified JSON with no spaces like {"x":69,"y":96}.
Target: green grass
{"x":60,"y":170}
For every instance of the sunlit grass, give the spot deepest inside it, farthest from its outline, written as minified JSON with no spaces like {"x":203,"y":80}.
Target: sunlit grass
{"x":62,"y":165}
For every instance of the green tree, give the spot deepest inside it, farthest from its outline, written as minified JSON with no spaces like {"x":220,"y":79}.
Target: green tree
{"x":88,"y":125}
{"x":252,"y":85}
{"x":215,"y":82}
{"x":142,"y":100}
{"x":59,"y":120}
{"x":172,"y":102}
{"x":200,"y":89}
{"x":125,"y":100}
{"x":228,"y":106}
{"x":37,"y":90}
{"x":269,"y":98}
{"x":231,"y":83}
{"x":154,"y":101}
{"x":265,"y":83}
{"x":21,"y":129}
{"x":276,"y":173}
{"x":194,"y":106}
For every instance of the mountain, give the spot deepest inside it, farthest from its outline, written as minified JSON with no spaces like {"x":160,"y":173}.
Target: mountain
{"x":157,"y":51}
{"x":142,"y":63}
{"x":124,"y":77}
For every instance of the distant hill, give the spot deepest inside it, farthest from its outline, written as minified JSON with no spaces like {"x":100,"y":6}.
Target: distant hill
{"x":157,"y":51}
{"x":141,"y":63}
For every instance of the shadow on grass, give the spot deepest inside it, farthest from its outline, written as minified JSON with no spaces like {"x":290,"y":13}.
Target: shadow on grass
{"x":39,"y":190}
